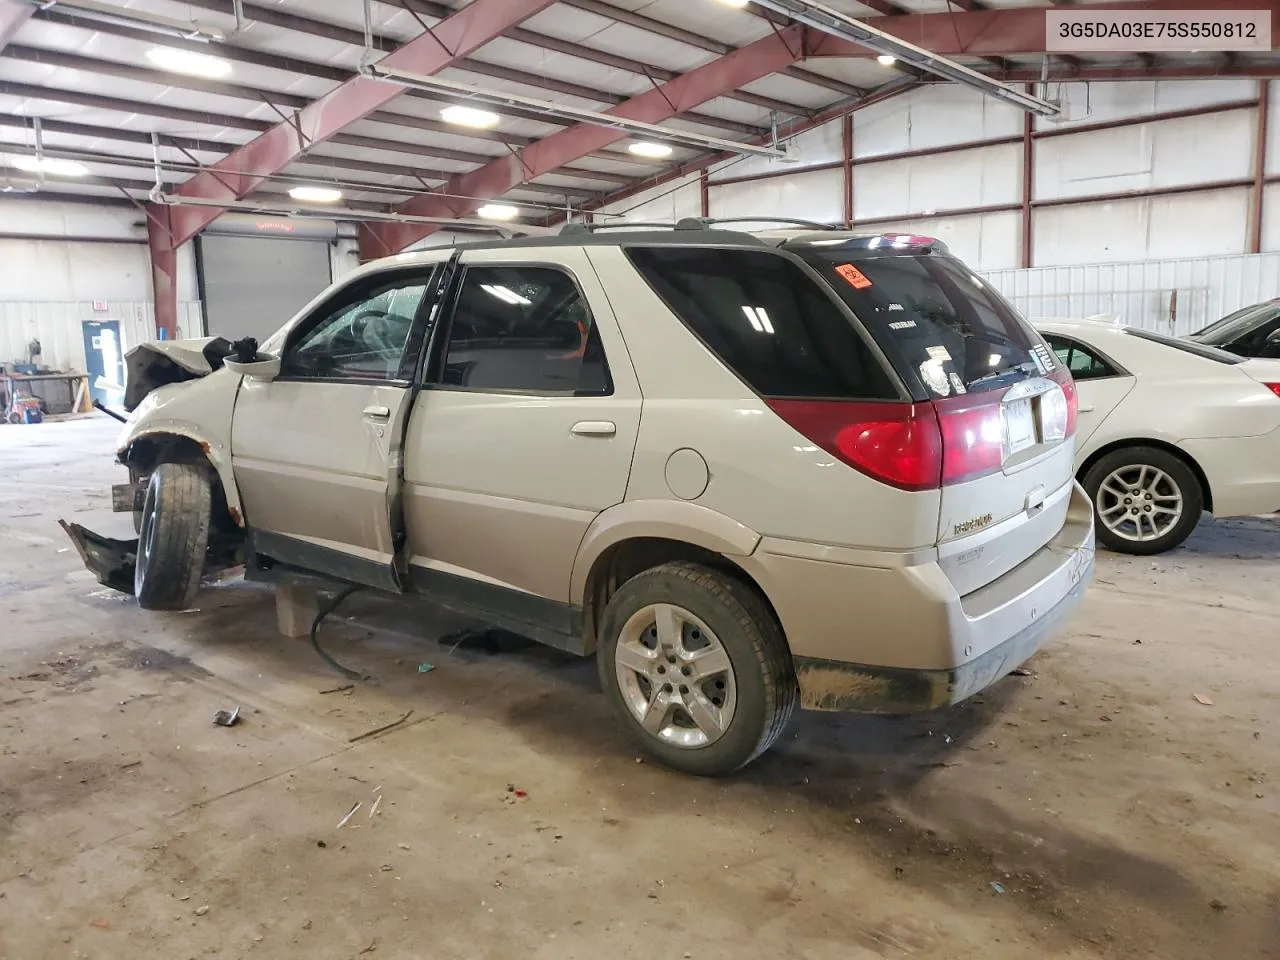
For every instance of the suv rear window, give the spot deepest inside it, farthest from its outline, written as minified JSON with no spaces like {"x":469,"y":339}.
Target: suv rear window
{"x":766,"y":319}
{"x":935,"y":318}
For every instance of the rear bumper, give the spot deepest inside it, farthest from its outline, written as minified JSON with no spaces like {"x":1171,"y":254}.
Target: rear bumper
{"x":1243,"y":472}
{"x":900,"y":639}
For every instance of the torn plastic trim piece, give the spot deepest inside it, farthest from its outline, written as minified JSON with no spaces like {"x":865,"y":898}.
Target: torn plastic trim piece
{"x":111,"y":561}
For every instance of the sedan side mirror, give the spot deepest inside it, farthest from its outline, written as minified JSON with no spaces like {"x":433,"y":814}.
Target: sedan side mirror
{"x":262,"y":367}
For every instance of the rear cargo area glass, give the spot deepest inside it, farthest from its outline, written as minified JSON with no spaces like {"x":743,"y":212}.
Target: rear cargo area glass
{"x":935,"y":317}
{"x":768,"y":320}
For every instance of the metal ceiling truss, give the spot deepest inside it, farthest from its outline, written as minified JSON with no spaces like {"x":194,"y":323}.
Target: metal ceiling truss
{"x":501,"y":100}
{"x":826,"y":19}
{"x":768,"y":55}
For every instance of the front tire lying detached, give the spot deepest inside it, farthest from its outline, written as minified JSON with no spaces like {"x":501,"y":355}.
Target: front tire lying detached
{"x":696,"y":668}
{"x":1145,"y":500}
{"x":173,"y":536}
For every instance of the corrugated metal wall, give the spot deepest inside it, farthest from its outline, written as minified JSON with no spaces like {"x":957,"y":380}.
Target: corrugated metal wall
{"x":1142,"y":293}
{"x":57,"y":325}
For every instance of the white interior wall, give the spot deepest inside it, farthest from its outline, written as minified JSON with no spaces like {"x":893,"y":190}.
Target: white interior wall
{"x":1101,"y":239}
{"x":50,"y":283}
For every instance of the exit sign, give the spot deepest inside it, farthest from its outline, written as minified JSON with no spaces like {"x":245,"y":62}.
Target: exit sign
{"x":100,"y":306}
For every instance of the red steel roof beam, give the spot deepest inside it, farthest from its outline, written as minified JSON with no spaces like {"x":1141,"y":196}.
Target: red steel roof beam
{"x":239,"y":173}
{"x":729,"y":72}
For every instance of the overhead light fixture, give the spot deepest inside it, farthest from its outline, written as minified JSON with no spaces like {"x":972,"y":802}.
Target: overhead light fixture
{"x":50,"y":165}
{"x":498,"y":211}
{"x":502,"y":99}
{"x":469,"y":116}
{"x":819,"y":16}
{"x":158,"y":196}
{"x":886,"y":60}
{"x":735,"y":3}
{"x":647,"y":148}
{"x":189,"y":62}
{"x":105,"y":12}
{"x":316,"y":194}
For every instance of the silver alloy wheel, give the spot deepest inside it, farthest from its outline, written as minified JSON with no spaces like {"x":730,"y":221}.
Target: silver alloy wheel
{"x":146,"y":538}
{"x":1139,"y":502}
{"x":675,"y":676}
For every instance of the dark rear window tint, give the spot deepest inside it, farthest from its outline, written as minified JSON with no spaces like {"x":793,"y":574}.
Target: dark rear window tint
{"x":936,"y":318}
{"x":1186,"y":346}
{"x":767,"y":320}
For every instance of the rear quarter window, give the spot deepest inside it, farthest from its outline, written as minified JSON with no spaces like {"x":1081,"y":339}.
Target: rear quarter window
{"x":768,"y":320}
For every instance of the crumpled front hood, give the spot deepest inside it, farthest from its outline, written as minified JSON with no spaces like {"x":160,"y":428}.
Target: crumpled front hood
{"x":160,"y":362}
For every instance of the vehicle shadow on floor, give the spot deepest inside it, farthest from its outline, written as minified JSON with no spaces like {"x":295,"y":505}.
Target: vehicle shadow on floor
{"x":1241,"y":538}
{"x":909,"y":791}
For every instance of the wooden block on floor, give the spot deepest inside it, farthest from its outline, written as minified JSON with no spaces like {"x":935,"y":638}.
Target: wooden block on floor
{"x":296,"y":609}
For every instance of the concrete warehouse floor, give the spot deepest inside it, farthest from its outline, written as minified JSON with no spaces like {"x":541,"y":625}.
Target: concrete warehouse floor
{"x":1094,"y":809}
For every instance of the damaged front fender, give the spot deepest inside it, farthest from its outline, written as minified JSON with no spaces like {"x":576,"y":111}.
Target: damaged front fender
{"x":111,"y":561}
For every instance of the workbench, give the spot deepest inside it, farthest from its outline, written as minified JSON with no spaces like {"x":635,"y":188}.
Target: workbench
{"x":61,"y":392}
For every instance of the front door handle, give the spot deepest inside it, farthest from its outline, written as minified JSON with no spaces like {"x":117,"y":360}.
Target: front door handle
{"x":377,"y":413}
{"x":594,"y":428}
{"x":1084,"y":409}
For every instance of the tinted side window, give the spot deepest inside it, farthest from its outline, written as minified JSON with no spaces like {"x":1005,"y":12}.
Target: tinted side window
{"x":767,"y":320}
{"x":361,"y":337}
{"x":526,"y":330}
{"x":1083,"y":364}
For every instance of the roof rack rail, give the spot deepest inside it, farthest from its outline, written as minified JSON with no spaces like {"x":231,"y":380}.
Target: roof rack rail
{"x":705,"y":223}
{"x":691,"y":223}
{"x":579,"y":229}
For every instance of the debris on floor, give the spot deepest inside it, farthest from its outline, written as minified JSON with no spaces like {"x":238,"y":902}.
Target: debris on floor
{"x":227,"y":718}
{"x":1022,"y":672}
{"x":382,"y":729}
{"x":342,"y":689}
{"x":350,"y":813}
{"x":1203,"y":700}
{"x":425,"y":667}
{"x":997,"y":886}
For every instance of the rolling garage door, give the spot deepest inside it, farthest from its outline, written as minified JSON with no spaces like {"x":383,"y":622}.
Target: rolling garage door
{"x":251,"y":285}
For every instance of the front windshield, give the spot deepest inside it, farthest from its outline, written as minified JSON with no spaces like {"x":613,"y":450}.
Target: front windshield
{"x":1236,"y":325}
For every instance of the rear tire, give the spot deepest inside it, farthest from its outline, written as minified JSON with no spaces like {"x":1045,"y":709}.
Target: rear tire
{"x":173,"y":537}
{"x":1145,"y":500}
{"x":696,"y":668}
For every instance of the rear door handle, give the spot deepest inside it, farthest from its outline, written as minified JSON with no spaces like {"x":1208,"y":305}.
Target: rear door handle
{"x":594,"y":428}
{"x":1088,"y":409}
{"x":377,"y":413}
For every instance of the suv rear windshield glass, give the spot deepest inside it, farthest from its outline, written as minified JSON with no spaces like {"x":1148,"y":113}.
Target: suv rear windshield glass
{"x":934,"y":317}
{"x":767,"y":320}
{"x":1186,"y":346}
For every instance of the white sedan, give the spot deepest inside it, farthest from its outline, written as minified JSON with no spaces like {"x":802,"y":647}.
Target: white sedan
{"x":1167,"y":429}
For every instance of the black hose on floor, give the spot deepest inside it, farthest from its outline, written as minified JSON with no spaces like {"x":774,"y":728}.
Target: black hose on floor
{"x":325,"y":610}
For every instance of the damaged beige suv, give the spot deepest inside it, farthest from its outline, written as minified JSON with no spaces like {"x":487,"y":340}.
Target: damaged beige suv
{"x":747,"y":471}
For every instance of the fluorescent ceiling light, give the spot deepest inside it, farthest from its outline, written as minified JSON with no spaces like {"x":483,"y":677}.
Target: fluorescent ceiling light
{"x":886,"y":60}
{"x":735,"y":3}
{"x":316,"y":194}
{"x":469,"y":117}
{"x":647,"y":148}
{"x":50,"y":165}
{"x":189,"y":62}
{"x":498,"y":211}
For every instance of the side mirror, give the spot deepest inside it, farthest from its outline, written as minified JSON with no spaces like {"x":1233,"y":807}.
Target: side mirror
{"x":263,"y":368}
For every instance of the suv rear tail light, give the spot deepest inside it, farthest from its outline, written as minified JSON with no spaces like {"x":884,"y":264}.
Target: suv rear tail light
{"x":895,"y":443}
{"x":1273,"y":387}
{"x":1062,"y":377}
{"x":972,"y":436}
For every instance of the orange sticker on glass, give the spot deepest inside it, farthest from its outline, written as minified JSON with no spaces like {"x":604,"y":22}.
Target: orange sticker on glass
{"x":857,"y":279}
